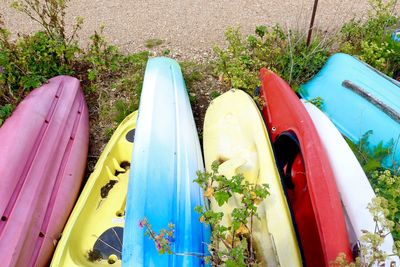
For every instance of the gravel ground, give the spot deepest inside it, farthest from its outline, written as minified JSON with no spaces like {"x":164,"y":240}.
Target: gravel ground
{"x":189,"y":28}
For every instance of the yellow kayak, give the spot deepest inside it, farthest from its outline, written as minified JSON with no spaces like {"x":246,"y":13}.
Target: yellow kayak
{"x":235,"y":135}
{"x":93,"y":233}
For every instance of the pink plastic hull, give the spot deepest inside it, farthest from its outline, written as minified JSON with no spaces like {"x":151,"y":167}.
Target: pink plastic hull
{"x":43,"y":151}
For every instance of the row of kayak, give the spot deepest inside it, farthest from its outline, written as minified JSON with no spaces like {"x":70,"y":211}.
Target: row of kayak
{"x":317,"y":207}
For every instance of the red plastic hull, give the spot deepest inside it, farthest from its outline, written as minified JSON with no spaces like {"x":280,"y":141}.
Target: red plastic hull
{"x":43,"y":151}
{"x":307,"y":175}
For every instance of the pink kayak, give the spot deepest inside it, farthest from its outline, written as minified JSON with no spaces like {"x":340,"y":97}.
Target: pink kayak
{"x":43,"y":151}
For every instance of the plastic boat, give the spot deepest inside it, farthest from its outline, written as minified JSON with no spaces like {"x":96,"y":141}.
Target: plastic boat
{"x":165,"y":160}
{"x":43,"y":150}
{"x":94,"y":232}
{"x":306,"y":173}
{"x":359,"y":99}
{"x":235,"y":135}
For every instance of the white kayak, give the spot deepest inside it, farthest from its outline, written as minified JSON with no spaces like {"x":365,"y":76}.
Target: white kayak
{"x":353,"y":185}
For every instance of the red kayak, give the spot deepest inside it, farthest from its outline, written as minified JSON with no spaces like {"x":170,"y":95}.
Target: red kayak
{"x":43,"y":151}
{"x":306,"y":173}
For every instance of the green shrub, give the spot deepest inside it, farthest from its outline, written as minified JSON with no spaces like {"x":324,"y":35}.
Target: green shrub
{"x":385,"y":182}
{"x":371,"y":40}
{"x":33,"y":60}
{"x":108,"y":76}
{"x":102,"y":57}
{"x":370,"y":158}
{"x":286,"y":53}
{"x":370,"y":243}
{"x":28,"y":62}
{"x":387,"y":185}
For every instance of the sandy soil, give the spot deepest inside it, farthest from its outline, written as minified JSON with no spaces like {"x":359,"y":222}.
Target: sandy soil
{"x":189,"y":27}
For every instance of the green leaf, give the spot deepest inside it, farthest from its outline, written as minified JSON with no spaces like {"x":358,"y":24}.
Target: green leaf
{"x":92,"y":74}
{"x":221,"y":197}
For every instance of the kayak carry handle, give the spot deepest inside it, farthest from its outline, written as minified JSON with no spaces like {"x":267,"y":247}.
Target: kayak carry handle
{"x":372,"y":99}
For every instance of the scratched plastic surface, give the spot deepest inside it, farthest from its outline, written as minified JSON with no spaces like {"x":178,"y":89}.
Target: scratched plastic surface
{"x":351,"y":113}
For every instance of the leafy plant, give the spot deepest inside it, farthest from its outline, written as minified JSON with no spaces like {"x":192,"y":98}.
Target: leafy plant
{"x":387,"y":185}
{"x":231,"y":245}
{"x":163,"y":240}
{"x":122,"y":109}
{"x":151,"y":43}
{"x":50,"y":14}
{"x":370,"y":158}
{"x":370,"y":39}
{"x":283,"y":52}
{"x":31,"y":60}
{"x":5,"y":112}
{"x":370,"y":243}
{"x":318,"y":102}
{"x":215,"y":94}
{"x":102,"y":57}
{"x":192,"y":72}
{"x":385,"y":182}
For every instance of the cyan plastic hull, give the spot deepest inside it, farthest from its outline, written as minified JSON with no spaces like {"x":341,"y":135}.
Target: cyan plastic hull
{"x":358,"y":99}
{"x":165,"y":160}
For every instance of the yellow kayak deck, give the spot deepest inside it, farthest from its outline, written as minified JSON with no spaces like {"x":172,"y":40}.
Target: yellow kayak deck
{"x":235,"y":135}
{"x":93,"y":233}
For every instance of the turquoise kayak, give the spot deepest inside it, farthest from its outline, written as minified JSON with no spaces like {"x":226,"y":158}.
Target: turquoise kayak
{"x":359,"y":99}
{"x":165,"y":160}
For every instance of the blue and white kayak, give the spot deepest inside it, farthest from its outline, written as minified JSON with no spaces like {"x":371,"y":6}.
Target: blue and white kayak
{"x":165,"y":160}
{"x":359,"y":99}
{"x":353,"y":185}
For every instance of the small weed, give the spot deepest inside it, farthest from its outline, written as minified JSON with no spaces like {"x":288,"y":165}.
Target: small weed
{"x":5,"y":112}
{"x":318,"y":102}
{"x":103,"y":58}
{"x":151,"y":43}
{"x":192,"y":98}
{"x":166,"y":52}
{"x":122,"y":109}
{"x":371,"y":39}
{"x":370,"y":158}
{"x":215,"y":94}
{"x":108,"y":132}
{"x":192,"y":72}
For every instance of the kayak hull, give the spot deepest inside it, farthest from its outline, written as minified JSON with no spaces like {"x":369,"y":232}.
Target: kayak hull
{"x":93,"y":233}
{"x":358,"y":99}
{"x":165,"y":160}
{"x":306,"y":173}
{"x":43,"y":150}
{"x":351,"y":181}
{"x":235,"y":135}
